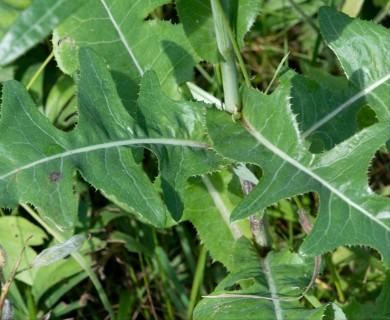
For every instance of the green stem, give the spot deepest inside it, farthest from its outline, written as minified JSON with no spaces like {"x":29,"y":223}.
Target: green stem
{"x":39,"y":71}
{"x":335,"y":277}
{"x":280,"y":66}
{"x":198,"y":280}
{"x":304,"y":16}
{"x":235,"y":45}
{"x":228,"y":63}
{"x":204,"y":74}
{"x":78,"y":257}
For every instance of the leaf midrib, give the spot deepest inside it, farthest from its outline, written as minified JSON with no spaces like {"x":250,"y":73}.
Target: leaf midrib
{"x":108,"y":145}
{"x":266,"y":143}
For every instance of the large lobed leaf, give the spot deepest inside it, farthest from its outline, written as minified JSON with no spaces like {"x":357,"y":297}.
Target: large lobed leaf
{"x":279,"y":275}
{"x":328,"y":107}
{"x":120,"y":32}
{"x":350,"y":213}
{"x":37,"y":161}
{"x":362,"y":48}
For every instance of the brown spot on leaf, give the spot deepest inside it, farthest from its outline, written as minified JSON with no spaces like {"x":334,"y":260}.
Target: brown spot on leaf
{"x":55,"y":177}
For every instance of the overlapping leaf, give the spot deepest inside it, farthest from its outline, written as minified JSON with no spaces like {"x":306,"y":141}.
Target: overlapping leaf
{"x":160,"y":116}
{"x":37,"y":161}
{"x":363,"y":50}
{"x":117,"y":30}
{"x":350,"y":213}
{"x":209,"y":203}
{"x":279,"y":275}
{"x":323,"y":100}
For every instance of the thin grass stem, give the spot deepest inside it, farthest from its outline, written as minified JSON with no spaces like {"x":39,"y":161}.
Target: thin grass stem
{"x":39,"y":71}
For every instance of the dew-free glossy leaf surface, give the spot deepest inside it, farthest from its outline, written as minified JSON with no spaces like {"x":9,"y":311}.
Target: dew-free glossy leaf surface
{"x":349,"y":214}
{"x":37,"y":161}
{"x":33,"y":24}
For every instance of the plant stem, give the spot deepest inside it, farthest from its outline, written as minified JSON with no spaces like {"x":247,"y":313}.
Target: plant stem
{"x":5,"y":287}
{"x":259,"y":227}
{"x":35,"y":76}
{"x":228,"y":63}
{"x":335,"y":277}
{"x":280,"y":66}
{"x":78,"y":257}
{"x":198,"y":280}
{"x":234,"y":44}
{"x":304,"y":16}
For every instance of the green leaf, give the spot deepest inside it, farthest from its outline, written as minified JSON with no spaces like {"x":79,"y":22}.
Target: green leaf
{"x":58,"y":252}
{"x":119,"y":33}
{"x":362,"y":48}
{"x":379,"y":310}
{"x":349,"y":214}
{"x":323,"y":100}
{"x":198,"y":23}
{"x":33,"y":24}
{"x":14,"y":233}
{"x":209,"y":202}
{"x":37,"y":161}
{"x":279,"y":275}
{"x":160,"y":116}
{"x":9,"y":11}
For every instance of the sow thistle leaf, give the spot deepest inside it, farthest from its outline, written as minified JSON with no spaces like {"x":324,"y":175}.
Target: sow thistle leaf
{"x":363,"y":50}
{"x":350,"y":213}
{"x":323,"y":100}
{"x":279,"y":275}
{"x":117,"y":30}
{"x":160,"y":116}
{"x":37,"y":161}
{"x":209,"y":202}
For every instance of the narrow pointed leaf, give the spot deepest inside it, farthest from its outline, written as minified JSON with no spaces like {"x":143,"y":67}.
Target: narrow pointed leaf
{"x":57,"y":252}
{"x":33,"y":24}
